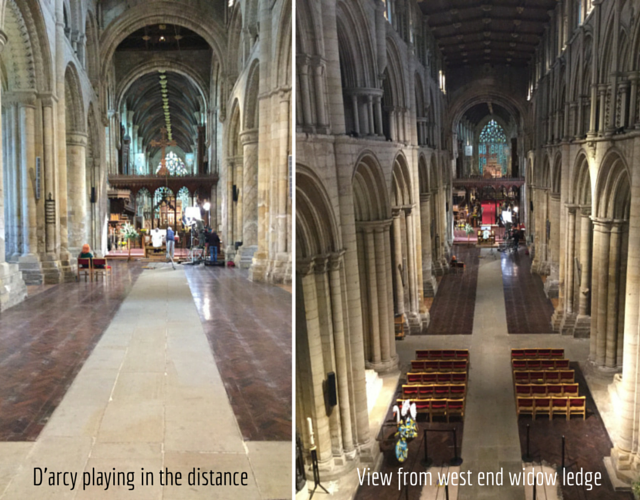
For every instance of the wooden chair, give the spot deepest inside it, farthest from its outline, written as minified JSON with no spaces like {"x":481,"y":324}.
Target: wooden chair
{"x":560,"y":406}
{"x":577,"y":406}
{"x":100,"y":267}
{"x":438,"y":407}
{"x":524,"y":406}
{"x":455,"y":407}
{"x":85,"y":267}
{"x":541,"y":406}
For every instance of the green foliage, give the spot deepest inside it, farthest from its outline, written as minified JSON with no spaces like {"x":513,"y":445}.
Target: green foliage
{"x":128,"y":232}
{"x":468,"y":229}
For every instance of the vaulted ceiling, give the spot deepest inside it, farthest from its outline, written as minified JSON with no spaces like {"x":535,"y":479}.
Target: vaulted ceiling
{"x":490,"y":31}
{"x":145,"y":99}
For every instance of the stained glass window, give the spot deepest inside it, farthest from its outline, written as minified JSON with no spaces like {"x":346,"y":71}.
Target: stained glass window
{"x":175,"y":165}
{"x":184,"y":197}
{"x":493,"y":150}
{"x":161,"y":194}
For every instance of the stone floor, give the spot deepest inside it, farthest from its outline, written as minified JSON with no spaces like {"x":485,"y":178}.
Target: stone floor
{"x":150,"y":396}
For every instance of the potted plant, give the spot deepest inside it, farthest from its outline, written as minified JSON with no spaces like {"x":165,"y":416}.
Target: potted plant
{"x":468,"y":230}
{"x":128,"y":232}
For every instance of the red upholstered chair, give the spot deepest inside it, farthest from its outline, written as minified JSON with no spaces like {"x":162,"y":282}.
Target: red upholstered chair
{"x":541,"y":406}
{"x":455,"y":408}
{"x":531,"y":353}
{"x":552,"y":377}
{"x":445,"y":366}
{"x":570,"y":390}
{"x":544,"y":353}
{"x":559,"y":406}
{"x":577,"y":406}
{"x":417,"y":366}
{"x":521,"y":377}
{"x":562,"y":364}
{"x":414,"y":378}
{"x":534,"y":364}
{"x":537,"y":377}
{"x":462,"y":354}
{"x":457,"y":391}
{"x":438,"y":407}
{"x":440,"y":391}
{"x":554,"y":390}
{"x":422,"y":354}
{"x":539,"y":390}
{"x":435,"y":354}
{"x":519,"y":364}
{"x":524,"y":406}
{"x":100,"y":266}
{"x":567,"y":376}
{"x":460,"y":366}
{"x":429,"y":378}
{"x":523,"y":390}
{"x":548,"y":364}
{"x":84,"y":267}
{"x":410,"y":391}
{"x":431,"y":366}
{"x":557,"y":353}
{"x":422,"y":406}
{"x":426,"y":391}
{"x":517,"y":353}
{"x":459,"y":378}
{"x":448,"y":354}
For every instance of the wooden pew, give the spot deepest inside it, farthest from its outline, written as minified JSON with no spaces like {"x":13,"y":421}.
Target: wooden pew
{"x":424,"y":366}
{"x":539,"y":364}
{"x":434,"y":391}
{"x":447,"y":354}
{"x":437,"y":378}
{"x":557,"y":405}
{"x":544,"y":376}
{"x":543,"y":353}
{"x":438,"y":407}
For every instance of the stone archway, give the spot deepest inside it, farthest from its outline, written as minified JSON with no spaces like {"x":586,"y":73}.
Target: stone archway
{"x":429,"y":282}
{"x":373,"y":223}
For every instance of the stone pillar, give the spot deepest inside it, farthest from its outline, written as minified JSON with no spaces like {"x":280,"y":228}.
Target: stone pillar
{"x":397,"y":263}
{"x":415,"y":320}
{"x":77,"y":192}
{"x":387,"y":263}
{"x":283,"y":177}
{"x":602,"y":99}
{"x":303,"y":74}
{"x":613,"y":299}
{"x":356,"y":117}
{"x":12,"y":287}
{"x":568,"y":320}
{"x":429,"y":283}
{"x":601,"y":243}
{"x":583,"y":322}
{"x":249,"y":141}
{"x":378,"y":113}
{"x":341,"y":356}
{"x":633,"y":97}
{"x":372,"y":291}
{"x":321,"y":113}
{"x":552,"y":283}
{"x":381,"y":309}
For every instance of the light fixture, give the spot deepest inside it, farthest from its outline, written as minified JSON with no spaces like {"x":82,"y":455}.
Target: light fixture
{"x":207,"y":206}
{"x":162,"y":39}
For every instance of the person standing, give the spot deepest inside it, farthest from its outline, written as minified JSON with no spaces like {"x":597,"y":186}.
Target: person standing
{"x":171,"y":243}
{"x":214,"y":245}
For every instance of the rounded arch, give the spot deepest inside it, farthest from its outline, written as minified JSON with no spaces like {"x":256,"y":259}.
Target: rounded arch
{"x":613,"y":188}
{"x":75,"y":116}
{"x":354,"y":46}
{"x":235,"y":41}
{"x":26,"y":32}
{"x":234,"y":147}
{"x":369,"y":190}
{"x":544,"y":177}
{"x":401,"y":193}
{"x":251,"y":105}
{"x":154,"y":65}
{"x":197,"y":20}
{"x":316,"y":228}
{"x":581,"y":183}
{"x":283,"y":46}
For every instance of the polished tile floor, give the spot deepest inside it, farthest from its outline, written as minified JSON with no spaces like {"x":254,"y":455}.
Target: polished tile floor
{"x":151,"y":396}
{"x":248,"y":326}
{"x":453,"y":306}
{"x":44,"y":342}
{"x":528,"y":308}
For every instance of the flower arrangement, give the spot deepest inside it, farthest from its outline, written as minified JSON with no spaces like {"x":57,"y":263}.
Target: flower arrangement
{"x":468,"y":230}
{"x":129,"y":233}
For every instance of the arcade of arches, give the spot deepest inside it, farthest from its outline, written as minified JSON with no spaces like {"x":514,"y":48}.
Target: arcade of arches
{"x":428,"y":129}
{"x":131,"y":111}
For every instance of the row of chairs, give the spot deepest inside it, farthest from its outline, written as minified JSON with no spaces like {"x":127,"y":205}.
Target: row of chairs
{"x":434,"y":391}
{"x":544,"y":377}
{"x":438,"y":407}
{"x":437,"y":378}
{"x":439,"y":366}
{"x":442,"y":354}
{"x":547,"y":390}
{"x":93,"y":267}
{"x":567,"y":406}
{"x":540,"y":364}
{"x":537,"y":353}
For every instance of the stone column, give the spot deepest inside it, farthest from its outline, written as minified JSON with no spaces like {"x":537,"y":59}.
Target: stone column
{"x":389,"y":301}
{"x":309,"y":355}
{"x":380,"y":309}
{"x":249,"y":195}
{"x":321,"y":113}
{"x":429,"y":283}
{"x":372,"y":291}
{"x":49,"y":178}
{"x":77,"y":192}
{"x":601,"y":243}
{"x":552,"y":282}
{"x":613,"y":299}
{"x":303,"y":74}
{"x":633,"y":97}
{"x":372,"y":130}
{"x":341,"y":356}
{"x":12,"y":287}
{"x":238,"y":176}
{"x":397,"y":262}
{"x":602,"y":99}
{"x":356,"y":117}
{"x":568,"y":320}
{"x":283,"y":177}
{"x":378,"y":113}
{"x":415,"y":320}
{"x":583,"y":322}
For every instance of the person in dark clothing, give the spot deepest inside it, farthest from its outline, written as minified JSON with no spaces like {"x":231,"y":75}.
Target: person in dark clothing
{"x":214,"y":245}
